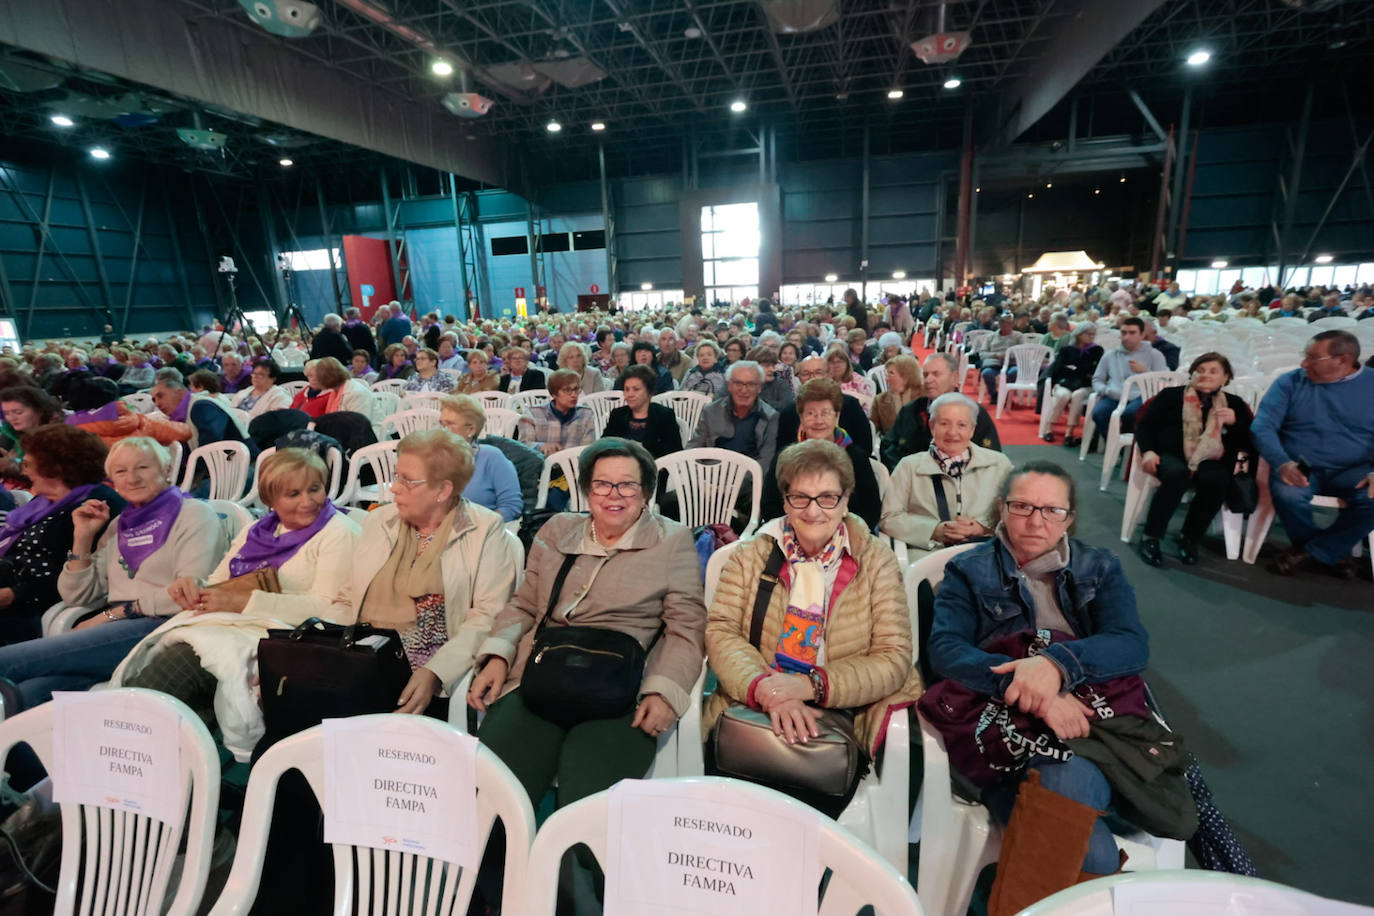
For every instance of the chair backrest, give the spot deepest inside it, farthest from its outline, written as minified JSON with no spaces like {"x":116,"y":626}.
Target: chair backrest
{"x":501,"y":421}
{"x":524,"y":401}
{"x":233,"y":517}
{"x":177,"y":450}
{"x":387,"y":403}
{"x":714,"y":566}
{"x":1335,"y":322}
{"x":976,"y":340}
{"x":601,"y":404}
{"x":490,"y":399}
{"x":406,"y":422}
{"x":922,"y":578}
{"x":414,"y":399}
{"x":391,"y":882}
{"x":391,"y":385}
{"x":1193,"y":890}
{"x":708,"y":483}
{"x":381,"y":457}
{"x":140,"y":402}
{"x":130,"y":859}
{"x":228,"y":463}
{"x":1028,"y":358}
{"x":882,"y":475}
{"x":1145,"y":385}
{"x":878,"y":376}
{"x":859,"y":876}
{"x":296,"y":387}
{"x":566,"y":461}
{"x":687,"y":406}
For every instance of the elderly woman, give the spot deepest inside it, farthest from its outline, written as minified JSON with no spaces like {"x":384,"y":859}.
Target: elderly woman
{"x":735,"y":349}
{"x":1034,"y":577}
{"x":1071,"y":381}
{"x":478,"y":377}
{"x":889,"y":348}
{"x":139,"y":372}
{"x":947,"y":495}
{"x":653,"y":426}
{"x":360,"y":367}
{"x":707,"y":376}
{"x":65,"y":466}
{"x":841,"y":370}
{"x":861,"y":354}
{"x":622,"y":569}
{"x":495,"y":484}
{"x":573,"y":356}
{"x":433,"y":566}
{"x":342,"y":392}
{"x":427,"y":376}
{"x":818,"y":410}
{"x":905,"y":383}
{"x":1188,"y":439}
{"x":206,"y":655}
{"x":263,"y":394}
{"x":396,"y":364}
{"x":855,"y":656}
{"x":312,"y":399}
{"x":620,"y":359}
{"x":560,"y":423}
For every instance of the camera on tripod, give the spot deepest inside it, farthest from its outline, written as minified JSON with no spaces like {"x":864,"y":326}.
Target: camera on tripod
{"x":226,"y":265}
{"x":283,"y":263}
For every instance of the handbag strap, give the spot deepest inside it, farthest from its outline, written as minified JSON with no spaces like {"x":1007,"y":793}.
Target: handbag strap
{"x":941,"y":500}
{"x":767,"y":582}
{"x":558,"y":581}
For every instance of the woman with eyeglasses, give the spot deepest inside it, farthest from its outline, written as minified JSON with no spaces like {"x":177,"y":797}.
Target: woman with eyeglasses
{"x":946,"y":495}
{"x":1034,"y":577}
{"x":836,"y":634}
{"x":433,"y":566}
{"x":619,"y":568}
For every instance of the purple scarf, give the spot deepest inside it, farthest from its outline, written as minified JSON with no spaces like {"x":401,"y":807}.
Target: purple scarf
{"x":264,"y":548}
{"x":96,"y":415}
{"x":37,"y":509}
{"x":391,"y":371}
{"x":142,"y":530}
{"x":178,"y":414}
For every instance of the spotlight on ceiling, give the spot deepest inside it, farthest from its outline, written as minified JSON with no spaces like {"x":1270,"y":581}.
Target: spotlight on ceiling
{"x":895,"y":93}
{"x":1030,"y":196}
{"x":1122,"y":179}
{"x":1218,"y":265}
{"x":598,"y":125}
{"x":953,"y":82}
{"x":899,"y":275}
{"x":441,"y":67}
{"x":286,"y":163}
{"x":62,"y":120}
{"x":1199,"y":57}
{"x":646,"y":286}
{"x":100,"y":152}
{"x":832,"y":278}
{"x":1049,"y":184}
{"x":1097,"y":190}
{"x":553,"y":127}
{"x":1323,"y":259}
{"x":738,"y":106}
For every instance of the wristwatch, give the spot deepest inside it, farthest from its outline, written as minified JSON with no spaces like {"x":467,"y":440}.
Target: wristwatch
{"x":817,"y":685}
{"x":77,"y":556}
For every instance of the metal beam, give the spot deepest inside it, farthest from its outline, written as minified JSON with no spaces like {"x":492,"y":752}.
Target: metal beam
{"x":1290,"y":204}
{"x":391,"y":236}
{"x":775,"y":51}
{"x":133,"y":257}
{"x":1356,"y":161}
{"x":94,"y":235}
{"x":1176,"y":202}
{"x":327,"y":227}
{"x":607,"y":222}
{"x":175,"y":235}
{"x":1144,"y":111}
{"x":267,"y":214}
{"x":458,"y":233}
{"x":668,"y":67}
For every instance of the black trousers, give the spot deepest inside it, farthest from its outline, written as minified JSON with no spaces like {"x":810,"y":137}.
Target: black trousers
{"x":1209,"y":482}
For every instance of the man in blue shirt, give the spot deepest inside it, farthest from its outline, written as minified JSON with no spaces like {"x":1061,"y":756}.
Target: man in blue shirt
{"x":1134,"y":356}
{"x":1315,"y":427}
{"x":393,"y":330}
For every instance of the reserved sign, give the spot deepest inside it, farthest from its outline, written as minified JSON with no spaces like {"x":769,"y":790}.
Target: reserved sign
{"x":402,"y":786}
{"x":112,"y":751}
{"x":700,"y":848}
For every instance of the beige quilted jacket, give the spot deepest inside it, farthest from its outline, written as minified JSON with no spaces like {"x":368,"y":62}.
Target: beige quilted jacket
{"x":869,"y":657}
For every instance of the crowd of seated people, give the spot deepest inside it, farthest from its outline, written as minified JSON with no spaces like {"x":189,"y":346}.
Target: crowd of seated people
{"x":108,"y":530}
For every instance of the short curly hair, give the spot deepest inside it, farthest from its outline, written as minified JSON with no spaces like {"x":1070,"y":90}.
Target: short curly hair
{"x":69,"y":453}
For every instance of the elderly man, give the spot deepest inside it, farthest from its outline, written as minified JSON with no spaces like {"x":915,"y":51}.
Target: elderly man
{"x":330,"y":341}
{"x":994,"y":353}
{"x":739,"y":420}
{"x":235,"y":375}
{"x":670,"y":355}
{"x":852,"y":419}
{"x":394,"y":327}
{"x":209,"y":420}
{"x":1169,"y":351}
{"x":1330,"y":308}
{"x":518,"y":375}
{"x":1171,"y":298}
{"x":1315,"y":427}
{"x":910,"y":432}
{"x":1134,"y":356}
{"x":359,"y":334}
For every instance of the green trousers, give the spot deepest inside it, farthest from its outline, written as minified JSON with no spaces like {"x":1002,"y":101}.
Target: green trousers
{"x":585,"y":759}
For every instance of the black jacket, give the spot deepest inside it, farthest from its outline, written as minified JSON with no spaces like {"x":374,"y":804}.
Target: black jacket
{"x":1159,"y":425}
{"x":331,"y":343}
{"x":532,"y":380}
{"x":1170,"y":352}
{"x":911,"y":433}
{"x":1073,"y":368}
{"x":853,"y":420}
{"x":662,"y":436}
{"x":359,"y":337}
{"x":863,"y":502}
{"x":663,"y":380}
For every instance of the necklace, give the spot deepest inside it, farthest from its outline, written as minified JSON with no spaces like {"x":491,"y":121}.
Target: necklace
{"x":423,"y":540}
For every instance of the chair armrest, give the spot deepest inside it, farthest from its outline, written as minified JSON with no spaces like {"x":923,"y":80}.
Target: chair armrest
{"x":64,"y":618}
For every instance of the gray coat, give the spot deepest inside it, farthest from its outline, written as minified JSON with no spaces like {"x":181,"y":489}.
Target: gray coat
{"x":718,"y":420}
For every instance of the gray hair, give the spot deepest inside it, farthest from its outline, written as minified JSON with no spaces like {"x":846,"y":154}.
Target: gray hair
{"x":748,"y":364}
{"x":332,"y":321}
{"x":955,"y":399}
{"x":770,"y":338}
{"x":148,"y":446}
{"x":619,"y":345}
{"x":169,"y":377}
{"x":949,"y":360}
{"x":1338,"y":343}
{"x":351,"y":313}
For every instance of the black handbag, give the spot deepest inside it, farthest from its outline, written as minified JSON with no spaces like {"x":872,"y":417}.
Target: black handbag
{"x":1242,"y":493}
{"x":323,"y":670}
{"x":578,"y":674}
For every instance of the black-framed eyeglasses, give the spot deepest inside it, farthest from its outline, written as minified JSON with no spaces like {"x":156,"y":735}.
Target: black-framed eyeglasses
{"x":624,"y":488}
{"x":800,"y":501}
{"x":1048,"y":513}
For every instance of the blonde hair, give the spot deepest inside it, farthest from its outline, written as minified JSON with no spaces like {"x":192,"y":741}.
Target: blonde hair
{"x":148,"y":446}
{"x":569,"y":348}
{"x":838,"y":353}
{"x":908,"y":368}
{"x":467,"y":407}
{"x":445,"y":456}
{"x":286,"y":466}
{"x":330,"y":373}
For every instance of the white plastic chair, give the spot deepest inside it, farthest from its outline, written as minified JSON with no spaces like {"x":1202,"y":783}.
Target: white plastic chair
{"x":859,"y":876}
{"x":130,"y":859}
{"x":1140,"y":488}
{"x":525,"y":401}
{"x":381,"y":457}
{"x":389,"y":385}
{"x":601,"y":404}
{"x":1144,"y":385}
{"x":501,"y":421}
{"x":386,"y":403}
{"x":406,"y":422}
{"x":882,"y":475}
{"x":333,"y":459}
{"x":391,"y":882}
{"x":1334,"y":323}
{"x":295,"y":388}
{"x":708,"y":482}
{"x":1198,"y":891}
{"x":687,"y":406}
{"x":877,"y":376}
{"x":1029,"y":359}
{"x":1262,"y":519}
{"x":411,"y":400}
{"x":140,"y":402}
{"x":233,"y":517}
{"x":566,"y":461}
{"x":228,"y":463}
{"x":490,"y":399}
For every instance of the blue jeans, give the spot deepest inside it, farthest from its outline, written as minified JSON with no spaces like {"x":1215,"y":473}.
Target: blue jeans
{"x":990,"y":376}
{"x":1079,"y":780}
{"x":1352,"y":524}
{"x":1102,"y":415}
{"x":77,"y":660}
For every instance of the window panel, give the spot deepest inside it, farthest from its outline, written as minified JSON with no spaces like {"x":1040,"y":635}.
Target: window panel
{"x":1345,"y":275}
{"x":1187,"y":280}
{"x":1321,"y":276}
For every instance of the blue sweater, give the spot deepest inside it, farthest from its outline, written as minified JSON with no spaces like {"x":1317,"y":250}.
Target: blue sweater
{"x":1329,"y":426}
{"x":495,"y":484}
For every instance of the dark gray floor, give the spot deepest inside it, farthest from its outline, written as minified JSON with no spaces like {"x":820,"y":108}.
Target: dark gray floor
{"x":1268,"y":680}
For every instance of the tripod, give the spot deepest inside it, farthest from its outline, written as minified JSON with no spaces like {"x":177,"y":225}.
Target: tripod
{"x":293,"y":310}
{"x":233,"y":313}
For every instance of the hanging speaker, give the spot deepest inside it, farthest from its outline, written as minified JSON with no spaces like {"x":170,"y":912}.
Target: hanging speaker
{"x":287,"y":18}
{"x":467,"y":104}
{"x":940,"y":48}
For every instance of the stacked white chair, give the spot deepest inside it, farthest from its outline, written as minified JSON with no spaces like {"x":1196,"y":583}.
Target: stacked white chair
{"x":877,"y":376}
{"x":228,"y":464}
{"x":687,"y":406}
{"x":296,"y":387}
{"x":1028,"y":359}
{"x":406,"y":422}
{"x":708,"y":482}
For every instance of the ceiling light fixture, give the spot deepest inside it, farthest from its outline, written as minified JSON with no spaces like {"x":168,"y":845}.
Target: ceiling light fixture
{"x":441,"y":67}
{"x":646,"y":286}
{"x":691,"y":32}
{"x":977,"y":190}
{"x":553,"y":127}
{"x":1323,"y":259}
{"x":62,"y":120}
{"x":1218,"y":265}
{"x":598,"y":125}
{"x":1122,"y":179}
{"x":1049,"y":184}
{"x":286,"y":163}
{"x":953,"y":82}
{"x":895,"y":94}
{"x":899,"y":275}
{"x":738,"y":106}
{"x":832,"y":278}
{"x":1097,"y":190}
{"x":100,"y":152}
{"x":1199,"y":57}
{"x":1030,"y":196}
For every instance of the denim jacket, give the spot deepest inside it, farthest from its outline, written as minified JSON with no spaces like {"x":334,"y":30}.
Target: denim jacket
{"x":982,"y":598}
